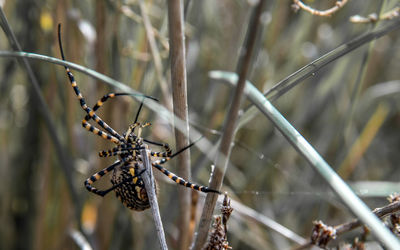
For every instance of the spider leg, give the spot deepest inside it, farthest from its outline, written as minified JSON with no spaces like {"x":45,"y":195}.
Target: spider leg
{"x":112,"y":95}
{"x":89,"y":127}
{"x":139,"y":109}
{"x":100,"y":103}
{"x":84,"y":106}
{"x":103,"y":124}
{"x":167,"y":158}
{"x":120,"y":149}
{"x":104,"y":192}
{"x":92,"y":115}
{"x":182,"y":182}
{"x":166,"y":153}
{"x":89,"y":181}
{"x":174,"y":177}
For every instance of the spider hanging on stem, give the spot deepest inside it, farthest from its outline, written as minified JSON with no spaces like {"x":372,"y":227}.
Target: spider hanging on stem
{"x":126,"y":177}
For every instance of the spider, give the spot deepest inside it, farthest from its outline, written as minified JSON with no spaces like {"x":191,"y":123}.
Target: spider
{"x":126,"y":178}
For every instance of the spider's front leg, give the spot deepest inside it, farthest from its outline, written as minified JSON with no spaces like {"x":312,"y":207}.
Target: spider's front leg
{"x":99,"y":104}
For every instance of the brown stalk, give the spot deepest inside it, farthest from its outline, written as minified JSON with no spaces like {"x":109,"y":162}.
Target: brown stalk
{"x":229,"y":129}
{"x":179,"y":95}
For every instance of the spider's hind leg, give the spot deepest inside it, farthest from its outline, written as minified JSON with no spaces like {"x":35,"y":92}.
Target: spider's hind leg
{"x":92,"y":179}
{"x":173,"y":176}
{"x":182,"y":182}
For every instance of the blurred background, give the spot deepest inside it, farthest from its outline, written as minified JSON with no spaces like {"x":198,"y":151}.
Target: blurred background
{"x":349,"y":111}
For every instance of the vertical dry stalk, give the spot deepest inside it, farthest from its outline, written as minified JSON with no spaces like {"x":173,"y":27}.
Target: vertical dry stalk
{"x":179,"y":95}
{"x":155,"y":54}
{"x":230,"y":124}
{"x":148,"y":179}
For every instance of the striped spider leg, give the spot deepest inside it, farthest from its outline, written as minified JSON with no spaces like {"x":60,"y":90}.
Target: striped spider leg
{"x":174,"y":177}
{"x":112,"y":135}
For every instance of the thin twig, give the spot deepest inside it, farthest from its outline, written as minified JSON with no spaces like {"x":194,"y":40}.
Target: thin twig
{"x":229,"y":128}
{"x":327,"y":13}
{"x":373,"y":17}
{"x":148,"y":179}
{"x":179,"y":95}
{"x":380,"y":212}
{"x":348,"y":226}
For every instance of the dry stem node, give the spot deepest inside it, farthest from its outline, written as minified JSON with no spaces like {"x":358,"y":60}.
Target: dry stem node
{"x":297,"y":4}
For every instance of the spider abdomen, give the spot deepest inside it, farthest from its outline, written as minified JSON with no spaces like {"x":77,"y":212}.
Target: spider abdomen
{"x":131,"y":191}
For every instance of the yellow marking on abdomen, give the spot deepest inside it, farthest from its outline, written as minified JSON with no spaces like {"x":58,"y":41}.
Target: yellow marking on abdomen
{"x":138,"y":192}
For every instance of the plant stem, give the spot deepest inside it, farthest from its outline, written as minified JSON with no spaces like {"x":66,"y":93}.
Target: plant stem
{"x":148,"y":179}
{"x":230,"y":124}
{"x":179,"y":96}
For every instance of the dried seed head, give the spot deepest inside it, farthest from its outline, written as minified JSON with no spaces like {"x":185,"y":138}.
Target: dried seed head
{"x":394,"y":197}
{"x":321,"y":234}
{"x":218,"y":237}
